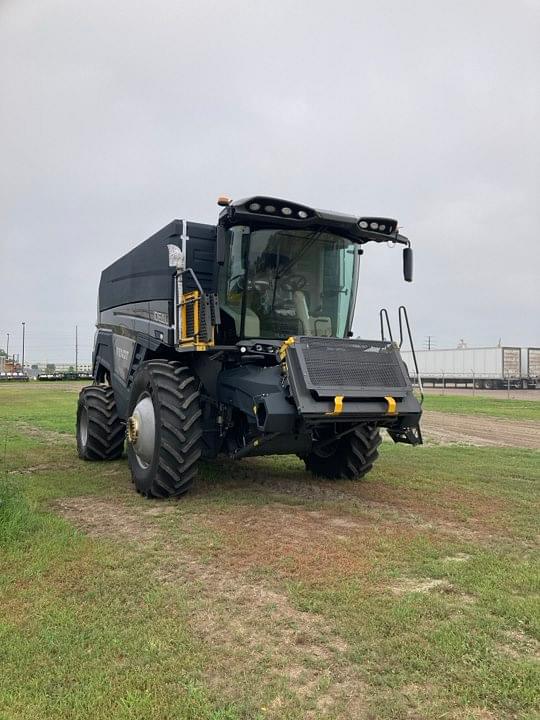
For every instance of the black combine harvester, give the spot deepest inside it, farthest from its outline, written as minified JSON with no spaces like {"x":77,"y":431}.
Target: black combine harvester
{"x":236,"y":338}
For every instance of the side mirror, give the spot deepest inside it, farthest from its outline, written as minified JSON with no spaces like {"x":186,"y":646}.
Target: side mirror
{"x":407,"y":264}
{"x":221,"y":240}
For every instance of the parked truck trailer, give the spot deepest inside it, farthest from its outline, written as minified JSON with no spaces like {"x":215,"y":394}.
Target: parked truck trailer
{"x":531,"y":358}
{"x":488,"y":367}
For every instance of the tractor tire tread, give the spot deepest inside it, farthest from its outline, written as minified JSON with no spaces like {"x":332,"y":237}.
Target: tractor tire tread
{"x":179,"y":416}
{"x":353,"y":457}
{"x":105,"y":431}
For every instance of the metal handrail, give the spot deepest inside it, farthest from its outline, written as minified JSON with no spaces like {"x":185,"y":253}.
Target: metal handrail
{"x":402,"y":315}
{"x":383,"y":315}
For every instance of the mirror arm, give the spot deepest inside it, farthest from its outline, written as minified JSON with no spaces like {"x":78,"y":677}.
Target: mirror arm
{"x":402,"y":240}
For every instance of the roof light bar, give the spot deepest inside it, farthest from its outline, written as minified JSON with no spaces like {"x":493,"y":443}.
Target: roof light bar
{"x":386,"y":226}
{"x":273,"y":206}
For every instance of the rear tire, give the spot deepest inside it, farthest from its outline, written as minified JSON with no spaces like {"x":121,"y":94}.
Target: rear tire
{"x":100,"y":432}
{"x":351,"y":457}
{"x":164,"y":429}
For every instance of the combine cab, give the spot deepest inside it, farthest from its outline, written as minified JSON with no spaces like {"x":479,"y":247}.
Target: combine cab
{"x":235,"y":338}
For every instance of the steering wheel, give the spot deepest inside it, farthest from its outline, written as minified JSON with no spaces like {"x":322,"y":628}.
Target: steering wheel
{"x":239,"y":279}
{"x":261,"y":285}
{"x":293,"y":282}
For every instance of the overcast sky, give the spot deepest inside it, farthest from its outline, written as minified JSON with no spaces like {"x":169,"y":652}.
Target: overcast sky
{"x":116,"y":117}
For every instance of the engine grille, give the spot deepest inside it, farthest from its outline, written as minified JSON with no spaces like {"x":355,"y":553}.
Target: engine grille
{"x":352,"y":373}
{"x":350,"y":366}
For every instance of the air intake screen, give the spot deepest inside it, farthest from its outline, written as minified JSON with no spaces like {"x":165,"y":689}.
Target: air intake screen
{"x":353,"y":368}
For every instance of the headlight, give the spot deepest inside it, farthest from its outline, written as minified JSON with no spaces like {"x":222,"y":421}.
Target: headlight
{"x":302,"y":214}
{"x":269,"y":208}
{"x":286,"y":211}
{"x":255,"y":207}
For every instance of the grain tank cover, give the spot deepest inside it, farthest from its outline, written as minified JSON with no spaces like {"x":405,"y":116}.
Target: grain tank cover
{"x":144,"y":274}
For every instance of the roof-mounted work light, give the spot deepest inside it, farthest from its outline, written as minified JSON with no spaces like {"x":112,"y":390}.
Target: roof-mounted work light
{"x":387,"y":226}
{"x":265,"y":206}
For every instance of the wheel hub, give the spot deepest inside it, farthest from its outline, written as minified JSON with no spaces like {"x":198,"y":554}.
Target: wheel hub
{"x":133,"y":429}
{"x":141,"y":430}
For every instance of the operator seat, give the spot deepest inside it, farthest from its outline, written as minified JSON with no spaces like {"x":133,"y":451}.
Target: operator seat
{"x":302,"y":312}
{"x":313,"y":326}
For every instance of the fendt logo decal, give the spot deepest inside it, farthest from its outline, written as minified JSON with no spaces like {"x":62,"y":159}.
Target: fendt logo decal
{"x":160,"y":317}
{"x":122,"y":354}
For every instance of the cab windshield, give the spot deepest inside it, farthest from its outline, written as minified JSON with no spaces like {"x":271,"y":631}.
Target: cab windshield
{"x":278,"y":283}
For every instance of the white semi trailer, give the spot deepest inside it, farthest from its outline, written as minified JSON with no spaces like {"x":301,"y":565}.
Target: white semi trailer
{"x":488,"y":367}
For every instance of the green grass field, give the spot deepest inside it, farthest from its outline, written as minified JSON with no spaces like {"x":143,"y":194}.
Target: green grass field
{"x":264,"y":593}
{"x":479,"y":405}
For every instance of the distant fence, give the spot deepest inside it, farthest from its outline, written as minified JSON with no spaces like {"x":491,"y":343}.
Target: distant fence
{"x":65,"y":376}
{"x":22,"y":377}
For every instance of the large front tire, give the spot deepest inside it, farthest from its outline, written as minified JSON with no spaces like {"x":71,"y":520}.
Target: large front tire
{"x":164,"y":429}
{"x":350,"y":457}
{"x":100,"y":432}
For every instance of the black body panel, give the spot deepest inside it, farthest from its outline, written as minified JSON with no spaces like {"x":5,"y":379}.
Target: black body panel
{"x":102,"y":356}
{"x":258,"y":393}
{"x":144,"y":275}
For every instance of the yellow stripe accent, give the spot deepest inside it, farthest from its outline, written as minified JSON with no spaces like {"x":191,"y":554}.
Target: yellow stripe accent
{"x":338,"y":405}
{"x":392,"y":407}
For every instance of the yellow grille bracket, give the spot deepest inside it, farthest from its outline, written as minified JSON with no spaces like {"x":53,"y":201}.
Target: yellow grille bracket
{"x":392,"y":405}
{"x":338,"y":405}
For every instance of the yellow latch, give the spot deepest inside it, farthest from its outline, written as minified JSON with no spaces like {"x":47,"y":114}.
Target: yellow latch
{"x":284,"y":347}
{"x":392,"y":407}
{"x":338,"y":406}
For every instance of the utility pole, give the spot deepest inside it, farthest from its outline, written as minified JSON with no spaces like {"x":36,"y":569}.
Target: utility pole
{"x":76,"y":348}
{"x":7,"y":348}
{"x":23,"y":329}
{"x":429,"y":341}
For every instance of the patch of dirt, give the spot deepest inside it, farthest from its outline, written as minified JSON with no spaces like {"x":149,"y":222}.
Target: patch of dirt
{"x":445,"y":509}
{"x":458,"y":557}
{"x":29,"y":470}
{"x":520,"y":646}
{"x":112,"y":519}
{"x":480,"y":431}
{"x":479,"y":714}
{"x":246,"y":625}
{"x":310,"y":545}
{"x":410,"y":585}
{"x":51,"y":437}
{"x":406,"y":586}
